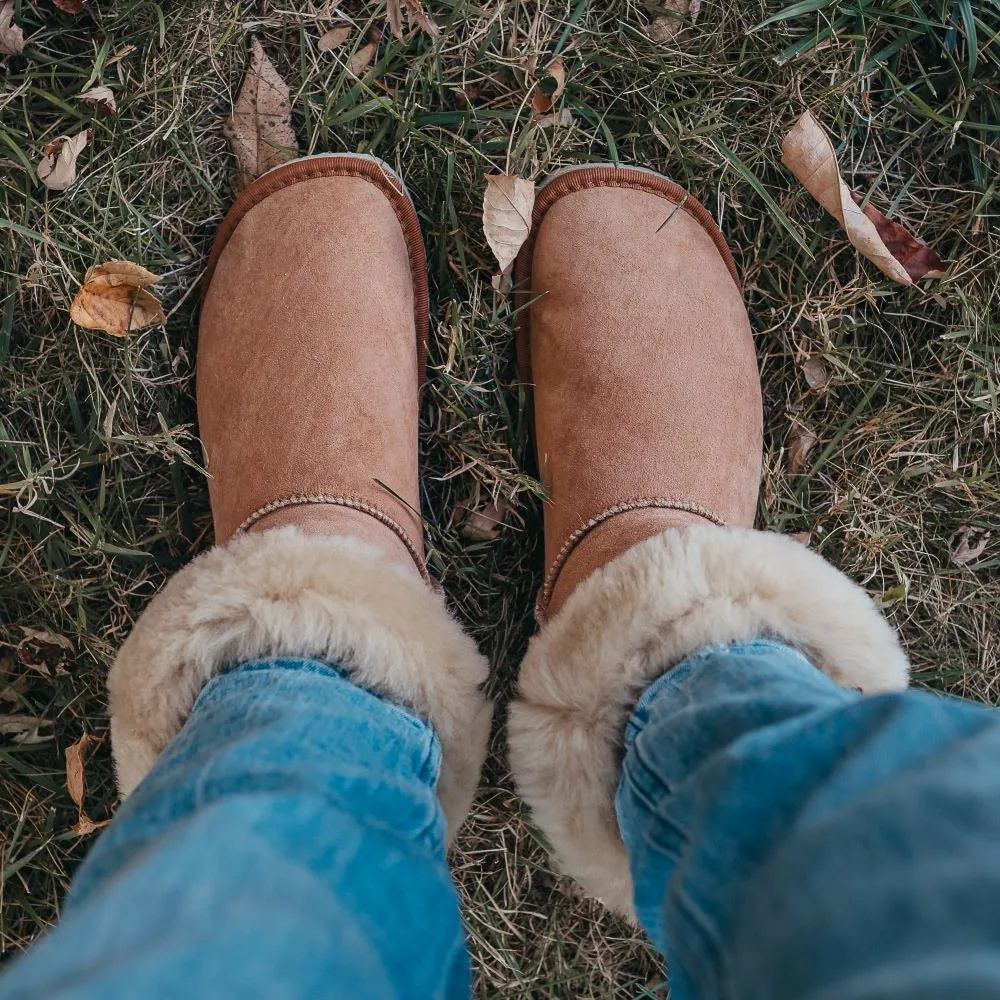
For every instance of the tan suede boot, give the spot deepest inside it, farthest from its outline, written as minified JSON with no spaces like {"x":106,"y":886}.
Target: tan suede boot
{"x":312,"y":349}
{"x":647,"y":415}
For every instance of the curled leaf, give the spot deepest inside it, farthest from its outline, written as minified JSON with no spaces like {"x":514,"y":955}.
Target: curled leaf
{"x":76,"y":783}
{"x":11,"y":36}
{"x":114,"y":298}
{"x":549,"y":87}
{"x":57,"y":168}
{"x":808,"y":153}
{"x":969,"y":544}
{"x":334,"y":38}
{"x":507,"y":206}
{"x":800,"y":446}
{"x":817,"y":375}
{"x":260,"y":129}
{"x":416,"y":17}
{"x":70,"y":6}
{"x":102,"y":98}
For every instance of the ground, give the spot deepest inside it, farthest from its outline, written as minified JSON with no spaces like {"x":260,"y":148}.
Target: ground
{"x":101,"y":488}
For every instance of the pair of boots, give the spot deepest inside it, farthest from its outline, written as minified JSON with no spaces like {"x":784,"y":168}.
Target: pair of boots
{"x":647,"y":417}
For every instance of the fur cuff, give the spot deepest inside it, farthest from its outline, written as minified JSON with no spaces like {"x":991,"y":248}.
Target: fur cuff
{"x":658,"y":603}
{"x":283,"y":593}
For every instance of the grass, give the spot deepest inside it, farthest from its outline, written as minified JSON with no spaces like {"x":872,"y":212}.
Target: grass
{"x":101,"y":493}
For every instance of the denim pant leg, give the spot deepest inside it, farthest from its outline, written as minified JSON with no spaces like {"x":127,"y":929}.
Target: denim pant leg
{"x":288,"y":844}
{"x":790,"y":840}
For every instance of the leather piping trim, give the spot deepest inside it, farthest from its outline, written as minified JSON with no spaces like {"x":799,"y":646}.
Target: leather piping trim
{"x":552,"y":576}
{"x":325,"y":166}
{"x":582,"y":180}
{"x":299,"y":500}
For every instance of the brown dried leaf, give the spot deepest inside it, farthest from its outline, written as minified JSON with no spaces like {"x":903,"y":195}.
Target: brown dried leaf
{"x":665,"y":27}
{"x":563,"y":118}
{"x":808,"y":153}
{"x":802,"y":537}
{"x":507,"y":205}
{"x":76,"y":783}
{"x":114,"y":298}
{"x":483,"y":525}
{"x":549,"y":87}
{"x":816,"y":374}
{"x":420,"y":19}
{"x":800,"y":445}
{"x":416,"y":17}
{"x":70,"y":6}
{"x":57,"y":168}
{"x":24,"y":728}
{"x":920,"y":260}
{"x":394,"y":15}
{"x":11,"y":36}
{"x":969,"y":544}
{"x":102,"y":98}
{"x":260,"y":130}
{"x":362,"y":58}
{"x":334,"y":38}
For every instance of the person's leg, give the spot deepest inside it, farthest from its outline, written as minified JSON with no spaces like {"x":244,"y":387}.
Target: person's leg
{"x":647,"y":418}
{"x":311,"y":351}
{"x":288,"y":843}
{"x":792,"y":840}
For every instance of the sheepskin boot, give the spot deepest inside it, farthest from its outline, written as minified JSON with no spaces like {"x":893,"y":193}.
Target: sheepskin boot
{"x":311,"y":354}
{"x":647,"y":416}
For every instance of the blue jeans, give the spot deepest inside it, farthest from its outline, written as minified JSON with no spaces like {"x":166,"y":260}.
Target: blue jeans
{"x":788,"y":839}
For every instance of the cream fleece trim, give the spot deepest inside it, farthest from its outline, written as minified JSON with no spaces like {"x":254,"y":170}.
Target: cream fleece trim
{"x":284,"y":593}
{"x":647,"y":610}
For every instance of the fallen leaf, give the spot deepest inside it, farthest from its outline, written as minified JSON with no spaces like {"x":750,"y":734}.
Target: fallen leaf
{"x":507,"y":205}
{"x":802,"y":537}
{"x":563,"y":118}
{"x":24,"y":728}
{"x":260,"y":130}
{"x":416,"y":17}
{"x":969,"y":544}
{"x":800,"y":445}
{"x":361,"y":59}
{"x":46,"y":638}
{"x":70,"y":6}
{"x":894,"y":595}
{"x":920,"y":260}
{"x":816,"y":374}
{"x":57,"y":169}
{"x":548,"y":88}
{"x":102,"y":98}
{"x":664,"y":27}
{"x":334,"y":38}
{"x":808,"y":153}
{"x":76,"y":783}
{"x":11,"y":36}
{"x":114,"y":298}
{"x":483,"y":525}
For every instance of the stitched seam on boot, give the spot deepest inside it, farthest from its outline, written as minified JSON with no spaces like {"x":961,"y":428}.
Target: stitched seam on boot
{"x":300,"y":500}
{"x":660,"y":503}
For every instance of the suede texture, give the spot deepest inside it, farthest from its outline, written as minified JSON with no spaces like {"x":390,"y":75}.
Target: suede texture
{"x":308,"y":361}
{"x":644,"y":372}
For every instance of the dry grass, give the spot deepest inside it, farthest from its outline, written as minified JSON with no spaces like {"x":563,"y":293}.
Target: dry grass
{"x":102,"y":495}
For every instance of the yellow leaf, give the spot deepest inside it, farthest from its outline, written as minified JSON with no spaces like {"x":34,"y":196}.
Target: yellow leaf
{"x":114,"y":298}
{"x":260,"y":129}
